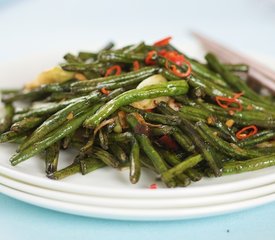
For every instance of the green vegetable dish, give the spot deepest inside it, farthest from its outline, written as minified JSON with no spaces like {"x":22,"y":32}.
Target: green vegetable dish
{"x":142,"y":106}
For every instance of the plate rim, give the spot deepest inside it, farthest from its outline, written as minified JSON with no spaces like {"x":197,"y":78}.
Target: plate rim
{"x":135,"y":214}
{"x":139,"y":193}
{"x":140,"y":203}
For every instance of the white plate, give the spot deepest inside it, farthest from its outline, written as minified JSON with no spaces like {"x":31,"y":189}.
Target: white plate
{"x":146,"y":203}
{"x":135,"y":214}
{"x":113,"y":183}
{"x":108,"y":182}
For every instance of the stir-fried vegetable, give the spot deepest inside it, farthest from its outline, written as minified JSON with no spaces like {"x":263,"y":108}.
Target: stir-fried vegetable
{"x":142,"y":106}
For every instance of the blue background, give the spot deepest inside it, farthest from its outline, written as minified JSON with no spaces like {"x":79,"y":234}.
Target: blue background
{"x":28,"y":27}
{"x":23,"y":221}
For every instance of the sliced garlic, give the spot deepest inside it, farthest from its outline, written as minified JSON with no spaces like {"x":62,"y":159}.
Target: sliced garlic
{"x":155,"y":79}
{"x":53,"y":75}
{"x":150,"y":103}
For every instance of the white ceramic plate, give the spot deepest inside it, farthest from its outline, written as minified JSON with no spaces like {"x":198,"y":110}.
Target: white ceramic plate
{"x":111,"y":183}
{"x":135,"y":214}
{"x":107,"y":182}
{"x":146,"y":203}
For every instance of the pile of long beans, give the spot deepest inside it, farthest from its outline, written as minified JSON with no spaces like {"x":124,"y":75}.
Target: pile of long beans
{"x":140,"y":106}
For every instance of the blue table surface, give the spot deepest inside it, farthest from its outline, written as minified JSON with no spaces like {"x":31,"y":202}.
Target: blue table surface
{"x":29,"y":26}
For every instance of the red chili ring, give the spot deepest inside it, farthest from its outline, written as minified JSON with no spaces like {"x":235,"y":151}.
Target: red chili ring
{"x":172,"y":56}
{"x":110,"y":70}
{"x":241,"y":135}
{"x":149,"y":58}
{"x":228,"y":102}
{"x":176,"y":72}
{"x":105,"y":91}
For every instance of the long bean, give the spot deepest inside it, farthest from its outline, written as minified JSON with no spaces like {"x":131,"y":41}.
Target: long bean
{"x":65,"y":172}
{"x":229,"y":148}
{"x":10,"y":136}
{"x":173,"y":88}
{"x":138,"y":75}
{"x":112,"y":56}
{"x":58,"y":119}
{"x":154,"y":117}
{"x":135,"y":164}
{"x":202,"y":146}
{"x":232,"y":79}
{"x":26,"y":124}
{"x":52,"y":156}
{"x":118,"y":152}
{"x":106,"y":157}
{"x":52,"y":138}
{"x":214,"y":90}
{"x":257,"y":138}
{"x":183,"y":166}
{"x":149,"y":150}
{"x":236,"y":67}
{"x":50,"y":108}
{"x":6,"y":121}
{"x":234,"y":167}
{"x":24,"y":95}
{"x":90,"y":164}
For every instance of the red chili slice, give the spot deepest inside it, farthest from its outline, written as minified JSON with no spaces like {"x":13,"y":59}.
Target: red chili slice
{"x":115,"y":68}
{"x":242,"y":134}
{"x":163,"y":42}
{"x":227,"y":103}
{"x":149,"y":60}
{"x":105,"y":91}
{"x":172,"y":56}
{"x":177,"y":72}
{"x":153,"y":186}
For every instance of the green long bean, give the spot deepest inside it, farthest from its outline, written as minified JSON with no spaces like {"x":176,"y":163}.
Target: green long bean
{"x":52,"y":138}
{"x":6,"y":121}
{"x":172,"y":88}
